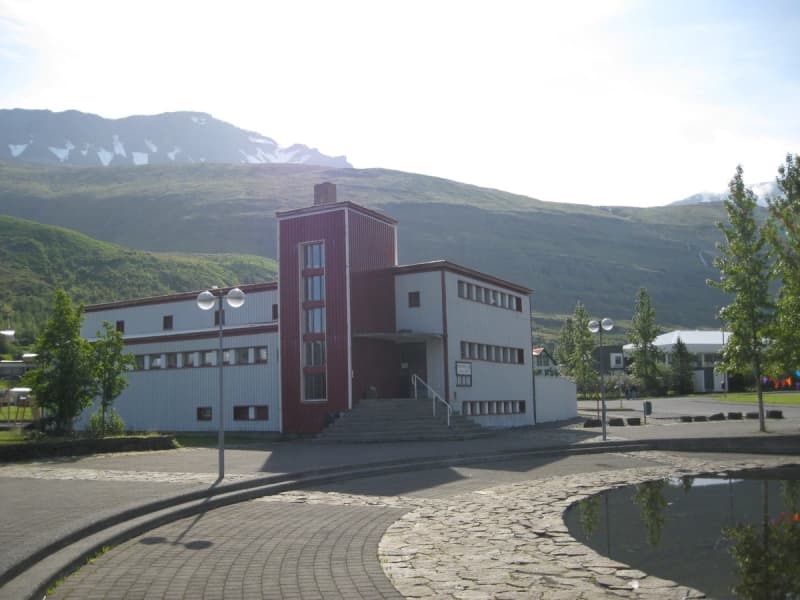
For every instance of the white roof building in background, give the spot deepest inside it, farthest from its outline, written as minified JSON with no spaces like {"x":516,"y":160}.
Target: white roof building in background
{"x":697,"y":342}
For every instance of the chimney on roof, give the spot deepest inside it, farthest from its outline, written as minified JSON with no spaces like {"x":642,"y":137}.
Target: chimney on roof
{"x":324,"y":193}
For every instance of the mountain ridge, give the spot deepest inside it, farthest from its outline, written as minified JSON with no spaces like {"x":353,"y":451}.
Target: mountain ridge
{"x":75,"y":138}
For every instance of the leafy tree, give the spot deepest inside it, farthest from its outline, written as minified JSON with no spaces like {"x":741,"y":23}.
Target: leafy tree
{"x":566,"y":346}
{"x":642,"y":334}
{"x":743,"y":265}
{"x":783,"y":233}
{"x":110,"y":367}
{"x":63,"y":379}
{"x":649,"y":497}
{"x":681,"y":369}
{"x":583,"y":369}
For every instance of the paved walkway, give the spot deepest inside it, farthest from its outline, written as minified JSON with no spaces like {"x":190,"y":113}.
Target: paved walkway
{"x":50,"y":498}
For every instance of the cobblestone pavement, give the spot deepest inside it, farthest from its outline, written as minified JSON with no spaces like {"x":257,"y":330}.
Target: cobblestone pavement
{"x":469,"y":532}
{"x":511,"y":542}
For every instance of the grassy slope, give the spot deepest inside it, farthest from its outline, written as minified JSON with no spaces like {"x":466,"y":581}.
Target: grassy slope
{"x":566,"y":252}
{"x":35,"y":259}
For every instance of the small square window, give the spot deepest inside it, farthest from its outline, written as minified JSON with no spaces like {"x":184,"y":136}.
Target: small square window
{"x":204,"y":413}
{"x":413,"y":299}
{"x":120,"y":326}
{"x":166,"y":322}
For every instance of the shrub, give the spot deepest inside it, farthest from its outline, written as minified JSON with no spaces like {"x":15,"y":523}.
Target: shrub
{"x":114,"y":424}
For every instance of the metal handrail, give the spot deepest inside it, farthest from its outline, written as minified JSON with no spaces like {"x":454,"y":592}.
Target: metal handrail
{"x":433,"y":395}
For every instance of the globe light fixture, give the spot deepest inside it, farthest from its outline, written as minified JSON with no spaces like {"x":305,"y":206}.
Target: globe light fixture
{"x":207,"y":300}
{"x":599,"y":327}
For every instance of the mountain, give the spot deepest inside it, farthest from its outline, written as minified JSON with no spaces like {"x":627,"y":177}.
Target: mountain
{"x":565,"y":252}
{"x":79,"y":139}
{"x":36,"y":258}
{"x":761,"y":190}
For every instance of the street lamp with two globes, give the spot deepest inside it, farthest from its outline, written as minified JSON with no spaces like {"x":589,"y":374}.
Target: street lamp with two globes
{"x":206,"y":301}
{"x":599,"y":327}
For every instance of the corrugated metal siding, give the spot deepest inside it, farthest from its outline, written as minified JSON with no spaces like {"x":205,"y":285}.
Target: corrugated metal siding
{"x":167,"y":399}
{"x":330,"y":227}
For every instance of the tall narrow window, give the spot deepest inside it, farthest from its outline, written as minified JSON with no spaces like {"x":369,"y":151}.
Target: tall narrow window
{"x":274,"y":312}
{"x":315,"y":288}
{"x":413,"y":299}
{"x":314,"y":256}
{"x":315,"y":386}
{"x":120,"y":326}
{"x":315,"y":320}
{"x":166,"y":322}
{"x":314,"y":354}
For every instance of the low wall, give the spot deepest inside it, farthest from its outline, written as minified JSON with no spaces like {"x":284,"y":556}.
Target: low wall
{"x":83,"y":446}
{"x":556,"y":399}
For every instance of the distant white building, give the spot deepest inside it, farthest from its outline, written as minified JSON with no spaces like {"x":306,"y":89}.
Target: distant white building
{"x":706,"y":348}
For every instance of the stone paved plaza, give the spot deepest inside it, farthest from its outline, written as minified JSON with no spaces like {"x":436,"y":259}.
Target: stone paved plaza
{"x":467,"y":532}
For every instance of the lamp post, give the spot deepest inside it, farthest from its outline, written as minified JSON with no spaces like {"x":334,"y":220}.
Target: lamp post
{"x":8,"y":333}
{"x":599,"y":327}
{"x":206,"y":301}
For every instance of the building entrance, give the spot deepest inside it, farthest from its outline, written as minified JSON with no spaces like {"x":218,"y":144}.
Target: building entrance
{"x":413,"y":361}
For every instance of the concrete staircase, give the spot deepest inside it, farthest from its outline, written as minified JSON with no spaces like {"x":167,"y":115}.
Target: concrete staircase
{"x":399,"y":419}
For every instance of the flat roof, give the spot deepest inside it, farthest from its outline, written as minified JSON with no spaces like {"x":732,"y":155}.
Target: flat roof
{"x":334,"y":206}
{"x":446,"y":265}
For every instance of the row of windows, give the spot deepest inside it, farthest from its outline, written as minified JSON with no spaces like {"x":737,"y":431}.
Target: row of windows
{"x":253,"y":412}
{"x":478,"y":293}
{"x":493,"y":407}
{"x":201,"y":358}
{"x":314,"y":379}
{"x":501,"y":354}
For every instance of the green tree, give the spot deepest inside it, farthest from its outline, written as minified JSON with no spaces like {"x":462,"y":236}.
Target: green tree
{"x":110,"y":367}
{"x":744,"y":272}
{"x":583,"y":369}
{"x":682,"y":375}
{"x":566,"y":347}
{"x":783,"y":234}
{"x":649,"y":497}
{"x":63,"y":380}
{"x":642,"y":334}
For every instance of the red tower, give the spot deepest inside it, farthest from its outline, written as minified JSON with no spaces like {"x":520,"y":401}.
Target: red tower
{"x":335,"y":285}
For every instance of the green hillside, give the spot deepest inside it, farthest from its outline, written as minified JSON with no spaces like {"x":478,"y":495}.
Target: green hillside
{"x":35,"y":259}
{"x":565,"y":252}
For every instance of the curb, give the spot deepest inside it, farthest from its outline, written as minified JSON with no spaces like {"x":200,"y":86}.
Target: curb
{"x":30,"y":577}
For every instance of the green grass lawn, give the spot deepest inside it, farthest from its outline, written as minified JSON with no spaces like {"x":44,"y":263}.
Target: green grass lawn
{"x":23,"y":413}
{"x":752,"y":398}
{"x":12,"y":436}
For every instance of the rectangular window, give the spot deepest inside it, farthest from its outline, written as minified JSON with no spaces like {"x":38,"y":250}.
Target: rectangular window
{"x":172,"y":360}
{"x":505,"y":355}
{"x":315,"y":320}
{"x":156,"y":362}
{"x":139,"y":358}
{"x":464,"y":349}
{"x":462,"y":289}
{"x":314,"y":354}
{"x":314,"y":256}
{"x":120,"y":326}
{"x":242,"y":356}
{"x":259,"y":412}
{"x":166,"y":322}
{"x":315,"y":288}
{"x":227,"y":355}
{"x":204,"y":413}
{"x":470,"y":291}
{"x":209,"y":358}
{"x":314,"y":386}
{"x":519,"y":303}
{"x":262,"y":354}
{"x":216,"y":318}
{"x":520,"y":356}
{"x":189,"y":359}
{"x":413,"y":299}
{"x":274,"y":312}
{"x":496,"y":298}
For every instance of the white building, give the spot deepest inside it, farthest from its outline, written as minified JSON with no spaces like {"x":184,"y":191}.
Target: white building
{"x":346,"y":323}
{"x":706,"y":349}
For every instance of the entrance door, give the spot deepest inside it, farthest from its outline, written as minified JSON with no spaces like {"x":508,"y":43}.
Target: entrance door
{"x":414,"y":361}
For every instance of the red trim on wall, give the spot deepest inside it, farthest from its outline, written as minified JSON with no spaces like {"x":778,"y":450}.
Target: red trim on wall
{"x":323,"y":208}
{"x":201,"y":335}
{"x":444,"y":342}
{"x":445,"y":265}
{"x":246,"y":288}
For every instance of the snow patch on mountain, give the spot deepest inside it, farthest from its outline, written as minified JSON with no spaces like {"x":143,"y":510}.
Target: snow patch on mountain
{"x":174,"y":153}
{"x":119,"y":148}
{"x":761,"y":190}
{"x":17,"y":149}
{"x":105,"y":156}
{"x":262,"y":140}
{"x":199,"y":120}
{"x":140,"y":158}
{"x":153,"y":148}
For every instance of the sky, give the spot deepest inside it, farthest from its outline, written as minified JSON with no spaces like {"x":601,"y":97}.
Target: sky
{"x":602,"y":102}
